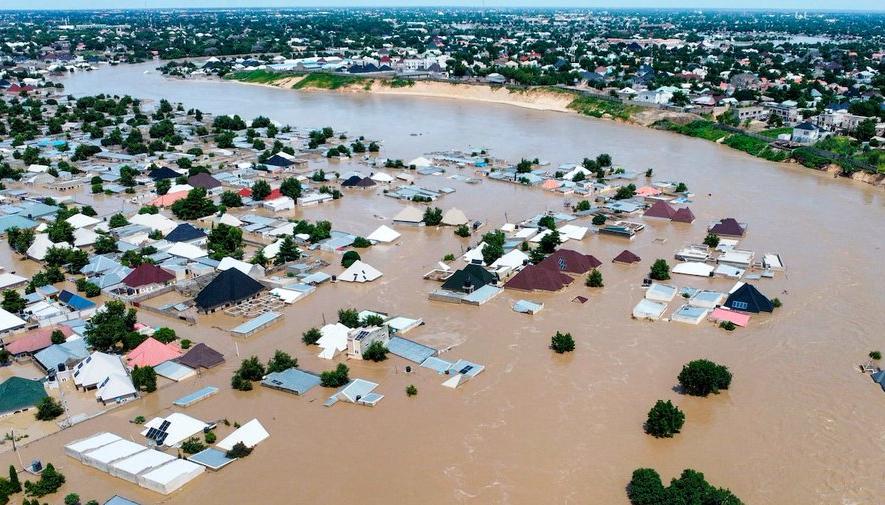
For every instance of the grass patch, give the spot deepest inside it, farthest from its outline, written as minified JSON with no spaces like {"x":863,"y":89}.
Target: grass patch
{"x":774,"y":132}
{"x":810,"y":159}
{"x":700,"y":128}
{"x":397,"y":83}
{"x":258,"y":76}
{"x":324,"y":80}
{"x":598,"y":107}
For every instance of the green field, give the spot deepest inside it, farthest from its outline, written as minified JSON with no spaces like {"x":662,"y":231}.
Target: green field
{"x":258,"y":76}
{"x":323,"y":80}
{"x":598,"y":107}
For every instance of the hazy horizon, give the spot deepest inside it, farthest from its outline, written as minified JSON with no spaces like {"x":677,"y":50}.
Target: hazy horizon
{"x":789,"y":5}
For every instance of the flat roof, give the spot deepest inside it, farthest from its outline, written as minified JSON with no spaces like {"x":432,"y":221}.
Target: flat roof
{"x":292,"y":380}
{"x":410,"y":350}
{"x":200,"y":394}
{"x":255,"y":324}
{"x":211,"y":458}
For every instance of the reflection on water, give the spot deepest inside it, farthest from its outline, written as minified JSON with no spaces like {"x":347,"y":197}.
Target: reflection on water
{"x":799,"y":425}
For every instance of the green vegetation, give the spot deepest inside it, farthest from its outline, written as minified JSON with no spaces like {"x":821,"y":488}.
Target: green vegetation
{"x":50,"y":481}
{"x":239,"y":450}
{"x":335,"y":378}
{"x":774,"y":132}
{"x":397,"y":83}
{"x":258,"y":76}
{"x":144,"y":378}
{"x":411,"y":390}
{"x":376,"y":352}
{"x":562,"y":342}
{"x":349,"y":318}
{"x":664,"y":420}
{"x":433,"y":216}
{"x":324,"y":80}
{"x":311,"y":336}
{"x":711,"y":240}
{"x":281,"y":361}
{"x":250,"y":370}
{"x":192,"y":445}
{"x":702,"y":377}
{"x":599,"y":107}
{"x":660,"y":270}
{"x":48,"y":409}
{"x":646,"y":488}
{"x":594,"y":279}
{"x":349,"y":258}
{"x":727,"y":326}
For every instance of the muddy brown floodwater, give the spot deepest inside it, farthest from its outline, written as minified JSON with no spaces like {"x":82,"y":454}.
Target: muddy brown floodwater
{"x":799,"y":425}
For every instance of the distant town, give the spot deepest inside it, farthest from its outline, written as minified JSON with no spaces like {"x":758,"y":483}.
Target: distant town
{"x":522,"y":256}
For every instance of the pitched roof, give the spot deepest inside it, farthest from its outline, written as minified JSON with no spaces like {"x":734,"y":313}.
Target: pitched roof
{"x":748,"y":299}
{"x":145,"y":274}
{"x":683,"y":215}
{"x":227,"y":287}
{"x":34,"y":340}
{"x":473,"y":275}
{"x":535,"y":277}
{"x":567,"y":260}
{"x":201,"y":355}
{"x":18,"y":393}
{"x":163,"y":173}
{"x":185,"y":232}
{"x":660,"y":209}
{"x":203,"y":180}
{"x":626,"y":257}
{"x":728,"y":226}
{"x":152,"y":352}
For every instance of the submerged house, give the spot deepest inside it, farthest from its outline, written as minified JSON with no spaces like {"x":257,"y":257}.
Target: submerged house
{"x":569,"y":261}
{"x":227,"y":288}
{"x":145,"y":278}
{"x":729,"y":227}
{"x":359,"y":339}
{"x":18,"y":394}
{"x":748,"y":299}
{"x":469,"y":279}
{"x":538,"y":278}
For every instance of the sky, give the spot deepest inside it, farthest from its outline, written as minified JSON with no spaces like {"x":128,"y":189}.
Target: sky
{"x":877,"y":5}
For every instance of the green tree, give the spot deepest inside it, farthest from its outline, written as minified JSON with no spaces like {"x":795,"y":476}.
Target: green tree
{"x":646,"y":488}
{"x":711,"y":240}
{"x":660,"y":270}
{"x":291,"y":187}
{"x":144,"y":378}
{"x":349,"y":258}
{"x":411,"y":390}
{"x":281,"y":361}
{"x":229,"y":199}
{"x":118,"y":220}
{"x":598,"y":220}
{"x":50,"y":481}
{"x":349,"y":318}
{"x":562,"y":342}
{"x":162,"y":186}
{"x":664,"y":419}
{"x":550,"y":242}
{"x":60,"y":231}
{"x":433,"y":216}
{"x":109,"y":327}
{"x":494,"y":246}
{"x":48,"y":409}
{"x":375,"y":352}
{"x":335,"y":378}
{"x":105,"y":244}
{"x":288,"y":251}
{"x":224,"y":241}
{"x":260,"y":190}
{"x":194,"y":206}
{"x":192,"y":445}
{"x":702,"y":377}
{"x":462,"y":231}
{"x":594,"y":279}
{"x":15,"y":485}
{"x":865,"y":130}
{"x":165,"y":335}
{"x":311,"y":336}
{"x":57,"y":337}
{"x":13,"y":301}
{"x":239,"y":450}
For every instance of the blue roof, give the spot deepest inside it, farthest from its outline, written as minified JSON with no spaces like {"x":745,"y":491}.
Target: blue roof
{"x":410,"y":350}
{"x":119,"y":500}
{"x":256,"y":323}
{"x":15,"y":221}
{"x":68,"y":353}
{"x":200,"y":394}
{"x":173,"y":370}
{"x":37,"y":209}
{"x":75,"y":301}
{"x":211,"y":458}
{"x":292,"y":380}
{"x":466,"y":367}
{"x":434,"y":363}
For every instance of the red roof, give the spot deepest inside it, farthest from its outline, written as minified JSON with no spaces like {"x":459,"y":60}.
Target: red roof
{"x":683,"y":215}
{"x":145,"y":274}
{"x":245,"y":192}
{"x":566,"y":260}
{"x":535,"y":277}
{"x":274,"y":194}
{"x":660,"y":209}
{"x":626,"y":257}
{"x":728,"y":226}
{"x":35,"y":340}
{"x":152,"y":352}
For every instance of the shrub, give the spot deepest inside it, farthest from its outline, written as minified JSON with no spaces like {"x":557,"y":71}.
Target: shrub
{"x":727,"y":325}
{"x":185,"y":344}
{"x":411,"y":390}
{"x":138,"y":420}
{"x":50,"y":481}
{"x":311,"y":336}
{"x":598,"y":220}
{"x":664,"y":419}
{"x":335,"y":378}
{"x":875,"y":355}
{"x":192,"y":445}
{"x":49,"y":408}
{"x":594,"y":280}
{"x":711,"y":240}
{"x":349,"y":258}
{"x":660,"y":270}
{"x":702,"y":377}
{"x":376,"y":352}
{"x":562,"y":342}
{"x":210,"y":437}
{"x":165,"y":335}
{"x":776,"y":302}
{"x":433,"y":216}
{"x":239,"y":450}
{"x":646,"y":488}
{"x":361,"y":242}
{"x":349,"y":318}
{"x":281,"y":361}
{"x":462,"y":231}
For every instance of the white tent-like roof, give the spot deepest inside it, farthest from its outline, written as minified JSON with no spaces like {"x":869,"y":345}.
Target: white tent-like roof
{"x":454,"y":217}
{"x":180,"y":428}
{"x":572,"y":231}
{"x":82,"y":220}
{"x":360,"y":272}
{"x":171,"y":476}
{"x":41,"y":246}
{"x":95,"y":368}
{"x":154,"y":222}
{"x":381,"y":177}
{"x":105,"y":455}
{"x":287,"y":295}
{"x":115,"y":386}
{"x":475,"y":254}
{"x":254,"y":271}
{"x":409,"y":215}
{"x":143,"y":462}
{"x":333,"y":340}
{"x":10,"y":321}
{"x":230,"y":220}
{"x":693,"y":268}
{"x":186,"y":250}
{"x":84,"y":237}
{"x":420,"y":162}
{"x":384,"y":234}
{"x":510,"y":260}
{"x":250,"y":434}
{"x":80,"y":447}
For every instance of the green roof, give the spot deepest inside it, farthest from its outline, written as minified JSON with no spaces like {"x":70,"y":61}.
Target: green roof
{"x":18,"y":393}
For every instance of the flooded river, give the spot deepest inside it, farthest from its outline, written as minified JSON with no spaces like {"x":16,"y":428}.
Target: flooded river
{"x":799,"y":426}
